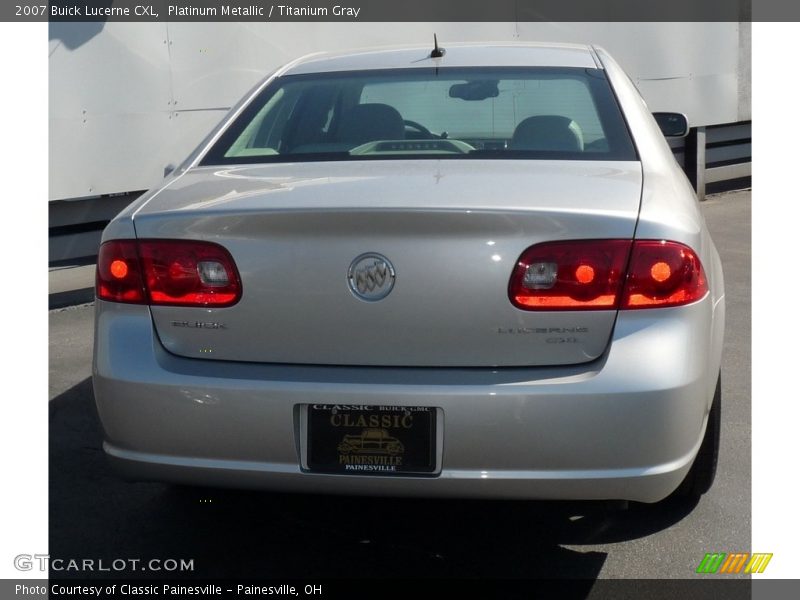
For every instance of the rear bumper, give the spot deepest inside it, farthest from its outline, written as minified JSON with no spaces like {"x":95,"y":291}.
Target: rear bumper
{"x":626,"y":426}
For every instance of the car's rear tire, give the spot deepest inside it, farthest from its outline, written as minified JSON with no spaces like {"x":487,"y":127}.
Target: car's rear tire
{"x":701,"y":476}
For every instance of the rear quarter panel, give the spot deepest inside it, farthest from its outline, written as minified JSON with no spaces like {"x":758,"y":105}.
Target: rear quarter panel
{"x":669,"y":206}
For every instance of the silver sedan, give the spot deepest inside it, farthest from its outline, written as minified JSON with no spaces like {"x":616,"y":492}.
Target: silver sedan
{"x":476,"y":272}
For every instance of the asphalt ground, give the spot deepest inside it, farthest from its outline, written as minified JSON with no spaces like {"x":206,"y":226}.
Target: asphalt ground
{"x":94,"y":514}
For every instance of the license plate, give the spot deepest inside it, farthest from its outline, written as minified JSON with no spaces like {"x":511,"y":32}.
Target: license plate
{"x":371,"y":440}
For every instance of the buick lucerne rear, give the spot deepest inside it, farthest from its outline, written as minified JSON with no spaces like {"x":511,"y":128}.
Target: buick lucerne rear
{"x":386,"y":273}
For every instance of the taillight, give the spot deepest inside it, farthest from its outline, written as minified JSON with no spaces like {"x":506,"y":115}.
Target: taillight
{"x":591,"y":275}
{"x":118,"y":277}
{"x":167,"y":272}
{"x":187,"y":273}
{"x":663,"y":274}
{"x":576,"y":275}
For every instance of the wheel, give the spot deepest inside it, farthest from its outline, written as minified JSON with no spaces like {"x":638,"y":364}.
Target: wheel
{"x":701,"y":476}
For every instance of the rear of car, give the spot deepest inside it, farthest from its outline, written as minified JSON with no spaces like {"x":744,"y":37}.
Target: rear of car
{"x":386,"y":273}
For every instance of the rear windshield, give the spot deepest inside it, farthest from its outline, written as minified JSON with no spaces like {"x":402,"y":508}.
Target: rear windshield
{"x":459,"y":113}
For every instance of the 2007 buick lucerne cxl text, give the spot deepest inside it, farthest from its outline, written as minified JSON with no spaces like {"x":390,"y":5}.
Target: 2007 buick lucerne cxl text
{"x":471,"y":273}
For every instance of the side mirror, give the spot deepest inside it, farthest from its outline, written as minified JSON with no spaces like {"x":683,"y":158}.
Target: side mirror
{"x":672,"y":125}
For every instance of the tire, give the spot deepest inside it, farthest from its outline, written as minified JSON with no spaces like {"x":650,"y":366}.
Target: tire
{"x":701,"y":476}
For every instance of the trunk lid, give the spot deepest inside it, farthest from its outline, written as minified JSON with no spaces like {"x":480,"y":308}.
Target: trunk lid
{"x":451,"y":229}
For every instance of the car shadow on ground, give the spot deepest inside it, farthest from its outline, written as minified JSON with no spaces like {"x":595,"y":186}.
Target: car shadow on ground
{"x":237,"y":534}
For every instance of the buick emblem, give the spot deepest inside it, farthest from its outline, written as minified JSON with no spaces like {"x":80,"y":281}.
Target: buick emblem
{"x":371,"y":276}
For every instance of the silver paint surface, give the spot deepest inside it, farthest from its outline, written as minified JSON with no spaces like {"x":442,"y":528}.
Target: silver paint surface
{"x":454,"y":230}
{"x":619,"y":415}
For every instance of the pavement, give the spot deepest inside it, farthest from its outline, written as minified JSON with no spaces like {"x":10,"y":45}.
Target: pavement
{"x":70,"y":285}
{"x":250,"y":534}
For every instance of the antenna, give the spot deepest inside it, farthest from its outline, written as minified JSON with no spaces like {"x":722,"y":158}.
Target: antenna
{"x":437,"y":52}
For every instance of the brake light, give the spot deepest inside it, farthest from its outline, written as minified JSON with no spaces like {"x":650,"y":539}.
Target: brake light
{"x":118,"y":277}
{"x":167,"y":272}
{"x":663,"y":274}
{"x":576,"y":275}
{"x":591,"y":275}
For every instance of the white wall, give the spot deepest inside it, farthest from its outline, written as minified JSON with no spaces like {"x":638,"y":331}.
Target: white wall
{"x":127,"y":99}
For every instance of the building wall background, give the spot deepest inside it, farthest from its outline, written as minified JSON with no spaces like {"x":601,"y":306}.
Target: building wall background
{"x":128,"y":99}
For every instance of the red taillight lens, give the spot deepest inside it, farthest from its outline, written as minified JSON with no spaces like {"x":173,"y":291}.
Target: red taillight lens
{"x":167,"y":272}
{"x":118,"y":277}
{"x":188,"y":273}
{"x":663,"y":274}
{"x":591,"y":275}
{"x":575,"y":275}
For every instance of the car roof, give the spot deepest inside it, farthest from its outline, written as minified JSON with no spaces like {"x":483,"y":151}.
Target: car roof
{"x":456,"y":55}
